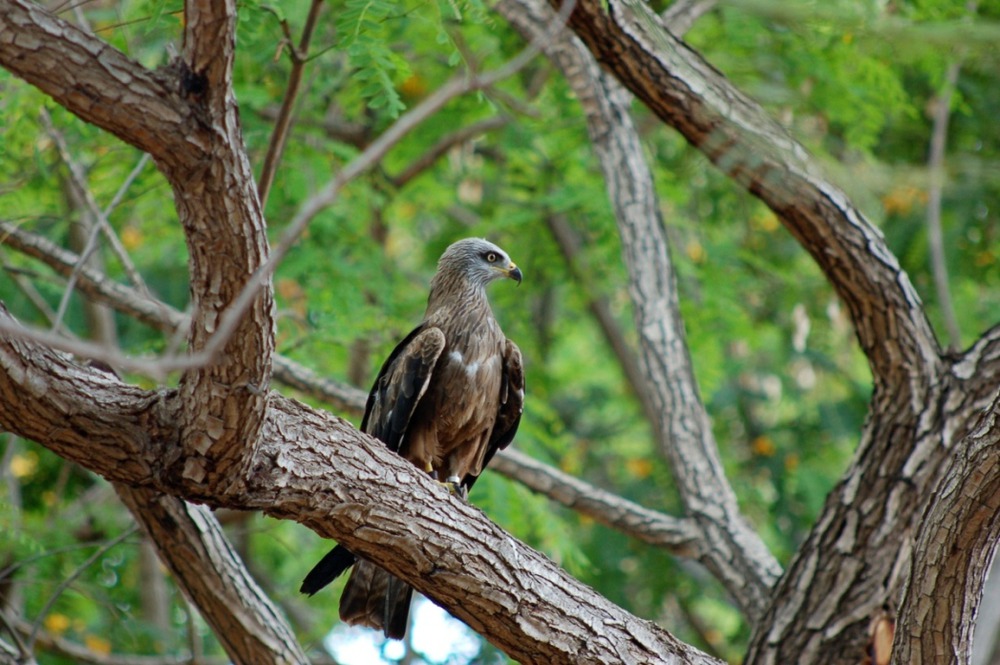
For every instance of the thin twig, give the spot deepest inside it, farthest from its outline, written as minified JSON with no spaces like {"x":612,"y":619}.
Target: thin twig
{"x":27,"y":287}
{"x":935,"y":235}
{"x":280,"y":134}
{"x":569,"y":244}
{"x":424,"y":161}
{"x":22,"y":648}
{"x":72,"y":578}
{"x":79,"y":180}
{"x":120,"y":194}
{"x":81,"y":654}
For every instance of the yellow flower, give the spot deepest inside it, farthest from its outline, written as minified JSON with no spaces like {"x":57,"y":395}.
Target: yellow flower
{"x":639,"y":468}
{"x":24,"y":465}
{"x":763,"y":446}
{"x":57,"y":623}
{"x":97,"y":644}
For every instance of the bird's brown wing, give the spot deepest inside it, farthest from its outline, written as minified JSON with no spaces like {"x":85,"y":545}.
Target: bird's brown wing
{"x":511,"y":405}
{"x":400,"y":384}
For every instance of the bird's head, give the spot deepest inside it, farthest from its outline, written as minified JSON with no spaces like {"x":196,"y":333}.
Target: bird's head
{"x":478,"y":261}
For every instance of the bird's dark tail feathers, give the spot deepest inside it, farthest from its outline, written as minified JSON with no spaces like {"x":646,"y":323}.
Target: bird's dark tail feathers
{"x":372,"y":597}
{"x":327,"y":570}
{"x":376,"y":599}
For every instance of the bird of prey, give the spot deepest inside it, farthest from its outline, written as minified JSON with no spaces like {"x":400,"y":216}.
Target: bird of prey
{"x":448,"y":397}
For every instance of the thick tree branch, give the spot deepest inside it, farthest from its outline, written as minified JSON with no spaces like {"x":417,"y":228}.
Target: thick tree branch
{"x":193,"y":546}
{"x":855,"y":560}
{"x":316,"y":469}
{"x":206,"y":164}
{"x":739,"y":137}
{"x":209,"y":52}
{"x":732,"y":550}
{"x":223,"y":403}
{"x":98,"y":83}
{"x":953,"y":553}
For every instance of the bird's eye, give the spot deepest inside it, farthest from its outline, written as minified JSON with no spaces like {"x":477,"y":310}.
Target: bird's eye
{"x":491,"y":257}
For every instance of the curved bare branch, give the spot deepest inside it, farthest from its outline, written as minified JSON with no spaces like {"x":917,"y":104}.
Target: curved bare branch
{"x":731,"y":549}
{"x":681,"y":537}
{"x":739,"y":137}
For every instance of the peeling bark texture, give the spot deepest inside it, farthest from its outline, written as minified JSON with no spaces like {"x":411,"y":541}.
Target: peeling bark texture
{"x":953,"y":554}
{"x":186,"y":117}
{"x":316,"y":469}
{"x":729,"y":547}
{"x":247,"y":624}
{"x":224,"y":402}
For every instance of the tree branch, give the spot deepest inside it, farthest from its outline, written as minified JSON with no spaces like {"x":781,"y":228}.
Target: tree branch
{"x":98,"y":83}
{"x":422,"y":163}
{"x":631,"y":519}
{"x":935,"y":237}
{"x":953,"y":552}
{"x":738,"y":136}
{"x":192,"y":545}
{"x":682,"y":14}
{"x":276,"y":146}
{"x":680,"y":537}
{"x":569,"y":245}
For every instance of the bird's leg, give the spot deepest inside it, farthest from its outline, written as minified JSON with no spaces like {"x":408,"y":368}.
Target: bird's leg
{"x":455,"y":486}
{"x":453,"y":483}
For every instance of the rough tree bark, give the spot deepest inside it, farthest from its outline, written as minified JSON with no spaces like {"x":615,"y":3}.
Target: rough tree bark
{"x":316,"y":469}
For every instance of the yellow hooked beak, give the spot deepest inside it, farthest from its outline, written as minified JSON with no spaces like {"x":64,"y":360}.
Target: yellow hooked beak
{"x":513,"y":272}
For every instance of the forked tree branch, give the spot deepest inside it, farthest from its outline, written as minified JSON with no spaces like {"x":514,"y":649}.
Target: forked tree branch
{"x":738,"y":136}
{"x":856,"y":558}
{"x":75,"y":68}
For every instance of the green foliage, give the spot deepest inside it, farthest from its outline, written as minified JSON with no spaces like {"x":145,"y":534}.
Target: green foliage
{"x":365,"y":34}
